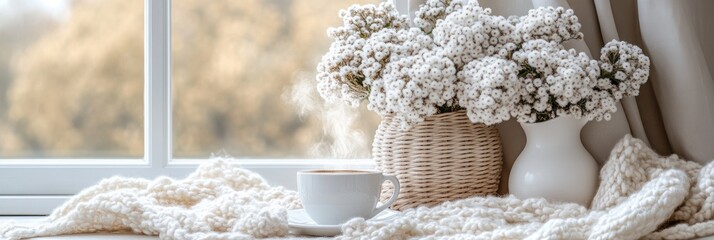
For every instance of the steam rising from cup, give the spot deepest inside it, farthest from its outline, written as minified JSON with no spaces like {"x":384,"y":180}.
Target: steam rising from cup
{"x":342,"y":138}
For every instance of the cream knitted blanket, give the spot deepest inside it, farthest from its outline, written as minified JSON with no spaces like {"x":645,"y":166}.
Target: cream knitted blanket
{"x":641,"y":194}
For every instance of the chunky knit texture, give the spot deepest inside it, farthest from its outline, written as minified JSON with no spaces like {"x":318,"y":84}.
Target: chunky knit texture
{"x":217,"y":201}
{"x":641,"y":195}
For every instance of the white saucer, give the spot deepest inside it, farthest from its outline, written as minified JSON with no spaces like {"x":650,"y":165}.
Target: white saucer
{"x":302,"y":224}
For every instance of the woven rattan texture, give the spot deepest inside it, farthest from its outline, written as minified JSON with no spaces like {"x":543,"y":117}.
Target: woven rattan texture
{"x":444,"y":158}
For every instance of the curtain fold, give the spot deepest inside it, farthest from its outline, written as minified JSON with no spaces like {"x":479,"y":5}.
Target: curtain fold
{"x":625,"y":24}
{"x":678,"y":37}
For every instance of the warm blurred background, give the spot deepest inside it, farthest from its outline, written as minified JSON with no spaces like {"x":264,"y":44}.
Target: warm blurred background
{"x":71,"y":80}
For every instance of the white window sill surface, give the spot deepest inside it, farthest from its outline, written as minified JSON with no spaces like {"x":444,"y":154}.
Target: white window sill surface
{"x":30,"y":220}
{"x":129,"y":236}
{"x":97,"y":236}
{"x":14,"y":202}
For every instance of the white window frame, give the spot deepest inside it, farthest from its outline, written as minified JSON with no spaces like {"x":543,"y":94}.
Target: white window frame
{"x":36,"y":186}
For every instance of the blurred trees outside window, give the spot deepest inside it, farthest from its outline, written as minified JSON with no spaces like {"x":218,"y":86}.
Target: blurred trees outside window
{"x":71,"y":80}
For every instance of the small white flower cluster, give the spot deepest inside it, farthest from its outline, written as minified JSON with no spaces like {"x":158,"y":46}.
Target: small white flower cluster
{"x":363,"y":20}
{"x":462,"y":57}
{"x":390,"y":45}
{"x":414,"y":87}
{"x":339,"y":72}
{"x":625,"y":66}
{"x":471,"y":32}
{"x":555,"y":81}
{"x":550,"y":24}
{"x":433,"y":10}
{"x":623,"y":69}
{"x":462,"y":34}
{"x":339,"y":75}
{"x":499,"y":34}
{"x":550,"y":82}
{"x":377,"y":52}
{"x":487,"y":89}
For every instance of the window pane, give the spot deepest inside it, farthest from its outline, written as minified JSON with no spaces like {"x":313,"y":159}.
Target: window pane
{"x":235,"y":65}
{"x":71,"y":78}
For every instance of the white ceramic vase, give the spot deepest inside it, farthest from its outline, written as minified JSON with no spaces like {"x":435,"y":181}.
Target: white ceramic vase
{"x":554,"y":164}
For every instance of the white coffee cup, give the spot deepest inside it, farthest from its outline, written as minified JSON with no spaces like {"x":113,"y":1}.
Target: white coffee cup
{"x":333,"y":197}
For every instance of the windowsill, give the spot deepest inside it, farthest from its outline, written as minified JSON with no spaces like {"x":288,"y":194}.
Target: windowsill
{"x":96,"y":236}
{"x":16,"y":200}
{"x":123,"y":236}
{"x":30,"y":220}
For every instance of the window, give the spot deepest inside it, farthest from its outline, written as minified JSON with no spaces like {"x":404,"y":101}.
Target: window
{"x":234,"y":68}
{"x":86,"y":94}
{"x":66,"y":89}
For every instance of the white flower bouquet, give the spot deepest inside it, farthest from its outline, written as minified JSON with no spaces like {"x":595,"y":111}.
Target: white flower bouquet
{"x":459,"y":56}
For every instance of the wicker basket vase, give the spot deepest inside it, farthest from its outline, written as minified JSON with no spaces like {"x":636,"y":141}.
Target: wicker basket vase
{"x":443,"y":158}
